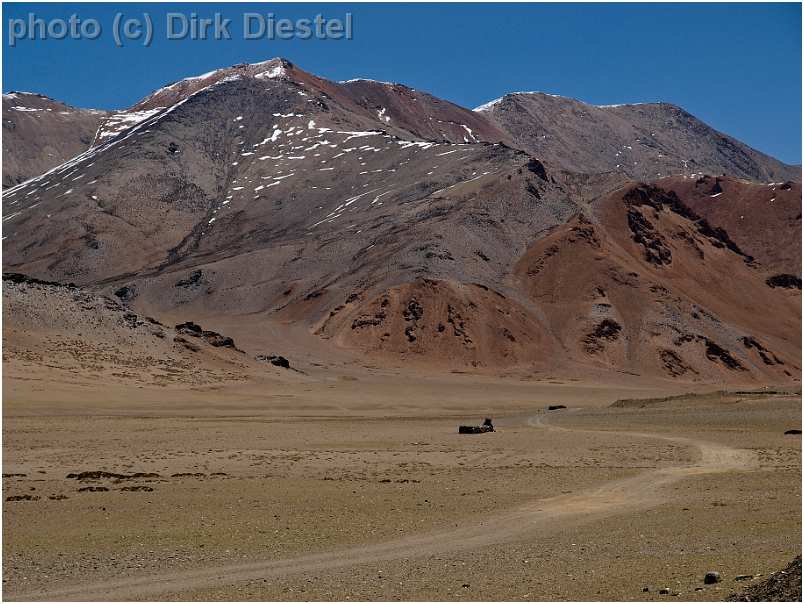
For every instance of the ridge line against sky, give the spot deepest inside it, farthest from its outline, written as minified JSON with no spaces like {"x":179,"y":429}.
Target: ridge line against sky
{"x":735,"y":66}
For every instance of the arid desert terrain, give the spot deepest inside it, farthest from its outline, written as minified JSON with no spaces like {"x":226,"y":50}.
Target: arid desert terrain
{"x":357,"y":486}
{"x":244,"y":320}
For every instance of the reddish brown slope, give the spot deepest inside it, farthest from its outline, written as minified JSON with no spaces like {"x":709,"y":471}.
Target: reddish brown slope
{"x":642,"y":286}
{"x":763,"y":219}
{"x":646,"y":288}
{"x":442,"y":324}
{"x":422,"y":114}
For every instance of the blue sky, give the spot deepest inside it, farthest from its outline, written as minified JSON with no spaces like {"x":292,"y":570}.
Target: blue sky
{"x":736,"y":66}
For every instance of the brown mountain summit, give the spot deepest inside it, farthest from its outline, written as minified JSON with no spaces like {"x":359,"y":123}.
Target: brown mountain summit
{"x":642,"y":141}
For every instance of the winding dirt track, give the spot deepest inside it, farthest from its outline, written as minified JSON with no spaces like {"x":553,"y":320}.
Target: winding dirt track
{"x":615,"y":497}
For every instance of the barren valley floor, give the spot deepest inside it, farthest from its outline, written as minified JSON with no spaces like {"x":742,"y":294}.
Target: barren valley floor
{"x":317,"y":494}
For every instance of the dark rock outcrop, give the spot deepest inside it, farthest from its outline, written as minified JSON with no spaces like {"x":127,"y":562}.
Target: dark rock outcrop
{"x":607,"y":330}
{"x":783,"y":280}
{"x":213,"y":338}
{"x":274,"y":359}
{"x":782,"y":586}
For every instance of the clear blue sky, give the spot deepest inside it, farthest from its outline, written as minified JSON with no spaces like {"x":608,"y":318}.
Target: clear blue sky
{"x":736,"y":66}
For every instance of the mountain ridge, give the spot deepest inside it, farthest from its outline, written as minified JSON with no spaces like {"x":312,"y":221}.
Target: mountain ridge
{"x":638,"y":140}
{"x":577,"y":155}
{"x":291,"y":208}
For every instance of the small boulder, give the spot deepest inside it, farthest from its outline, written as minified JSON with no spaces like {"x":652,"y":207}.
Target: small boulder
{"x":712,"y":577}
{"x":274,"y":359}
{"x":218,"y":340}
{"x":189,"y":328}
{"x":664,"y":591}
{"x":213,"y":338}
{"x":556,"y":407}
{"x":126,"y":293}
{"x":793,"y":431}
{"x":279,"y":361}
{"x":487,"y":426}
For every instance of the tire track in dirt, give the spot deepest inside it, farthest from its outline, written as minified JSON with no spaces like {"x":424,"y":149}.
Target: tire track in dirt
{"x":612,"y":498}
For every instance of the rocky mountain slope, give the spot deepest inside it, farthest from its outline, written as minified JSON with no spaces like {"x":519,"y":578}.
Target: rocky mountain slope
{"x":272,"y":205}
{"x":71,"y":334}
{"x":641,"y":141}
{"x":642,"y":285}
{"x":40,"y":133}
{"x":249,"y":161}
{"x":647,"y":285}
{"x":764,"y":220}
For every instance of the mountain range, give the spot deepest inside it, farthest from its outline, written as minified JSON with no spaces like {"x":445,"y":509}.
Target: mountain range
{"x":369,"y":220}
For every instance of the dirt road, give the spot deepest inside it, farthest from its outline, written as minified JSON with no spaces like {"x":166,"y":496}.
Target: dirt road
{"x":612,"y":498}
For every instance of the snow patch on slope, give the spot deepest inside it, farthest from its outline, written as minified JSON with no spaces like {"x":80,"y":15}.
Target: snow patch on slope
{"x":490,"y":104}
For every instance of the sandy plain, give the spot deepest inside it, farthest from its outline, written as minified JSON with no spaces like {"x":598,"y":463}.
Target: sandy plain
{"x":357,"y":486}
